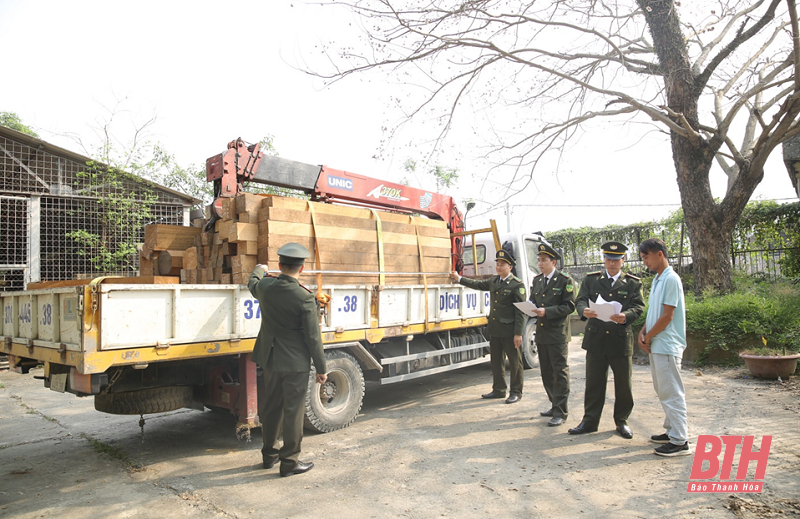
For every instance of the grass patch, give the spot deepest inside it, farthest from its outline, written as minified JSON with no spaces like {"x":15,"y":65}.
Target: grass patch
{"x":114,"y":453}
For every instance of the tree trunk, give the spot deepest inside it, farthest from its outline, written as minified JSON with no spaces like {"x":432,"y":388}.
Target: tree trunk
{"x":709,"y":231}
{"x":791,"y":158}
{"x":710,"y":257}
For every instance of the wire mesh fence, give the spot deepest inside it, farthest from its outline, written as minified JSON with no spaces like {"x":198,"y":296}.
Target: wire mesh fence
{"x":55,"y":215}
{"x":14,"y":242}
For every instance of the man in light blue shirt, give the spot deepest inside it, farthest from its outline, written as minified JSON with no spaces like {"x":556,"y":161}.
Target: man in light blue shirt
{"x":664,"y":338}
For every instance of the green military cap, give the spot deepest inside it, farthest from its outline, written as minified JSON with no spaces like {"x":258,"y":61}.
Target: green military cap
{"x":293,"y":254}
{"x":549,"y":251}
{"x":613,"y":250}
{"x":504,"y":255}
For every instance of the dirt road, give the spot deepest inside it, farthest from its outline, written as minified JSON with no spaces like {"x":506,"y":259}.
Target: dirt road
{"x":424,"y":448}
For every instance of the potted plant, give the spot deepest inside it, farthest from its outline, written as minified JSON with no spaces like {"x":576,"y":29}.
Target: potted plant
{"x":774,"y":362}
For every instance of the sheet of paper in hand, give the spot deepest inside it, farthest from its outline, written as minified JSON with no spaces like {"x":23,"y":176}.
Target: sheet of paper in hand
{"x":605,"y":309}
{"x":527,"y":308}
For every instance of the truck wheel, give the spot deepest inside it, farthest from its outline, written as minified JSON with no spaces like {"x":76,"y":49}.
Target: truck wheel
{"x":530,"y":357}
{"x":144,"y":401}
{"x":335,"y":404}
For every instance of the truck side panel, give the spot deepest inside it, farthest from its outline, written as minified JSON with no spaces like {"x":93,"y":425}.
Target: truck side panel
{"x":117,"y":317}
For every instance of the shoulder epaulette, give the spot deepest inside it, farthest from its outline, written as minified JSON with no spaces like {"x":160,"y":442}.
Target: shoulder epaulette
{"x":595,"y":273}
{"x":305,"y":287}
{"x":518,"y":280}
{"x":632,"y":277}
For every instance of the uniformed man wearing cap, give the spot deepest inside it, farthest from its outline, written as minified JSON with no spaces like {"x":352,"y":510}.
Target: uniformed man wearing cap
{"x":609,"y":343}
{"x":506,"y":323}
{"x":553,"y":293}
{"x":289,"y":339}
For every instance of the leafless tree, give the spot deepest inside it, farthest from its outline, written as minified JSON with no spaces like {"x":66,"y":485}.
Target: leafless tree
{"x":719,"y":78}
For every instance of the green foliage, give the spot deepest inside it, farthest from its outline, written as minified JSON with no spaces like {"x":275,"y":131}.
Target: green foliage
{"x":123,"y":208}
{"x":12,"y":120}
{"x":767,"y":225}
{"x":163,"y":169}
{"x":754,"y":313}
{"x":764,"y":225}
{"x":581,"y":245}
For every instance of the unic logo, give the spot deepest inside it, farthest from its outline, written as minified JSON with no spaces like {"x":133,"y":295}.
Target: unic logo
{"x":701,"y":455}
{"x":340,"y":183}
{"x":392,"y":193}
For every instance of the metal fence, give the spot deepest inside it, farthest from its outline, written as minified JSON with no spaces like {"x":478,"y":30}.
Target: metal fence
{"x":632,"y":265}
{"x":762,"y":263}
{"x":14,"y":242}
{"x":46,"y":193}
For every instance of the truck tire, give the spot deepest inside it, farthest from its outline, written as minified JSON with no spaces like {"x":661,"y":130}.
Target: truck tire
{"x":530,"y":357}
{"x":144,"y":401}
{"x":335,"y":404}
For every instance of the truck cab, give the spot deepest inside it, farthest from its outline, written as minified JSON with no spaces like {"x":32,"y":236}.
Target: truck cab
{"x":523,"y":247}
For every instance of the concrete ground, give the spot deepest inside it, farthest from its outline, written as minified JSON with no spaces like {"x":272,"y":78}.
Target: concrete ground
{"x":424,"y":448}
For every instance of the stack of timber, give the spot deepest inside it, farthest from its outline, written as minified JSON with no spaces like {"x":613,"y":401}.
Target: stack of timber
{"x":227,"y":255}
{"x":350,"y":239}
{"x":351,"y":242}
{"x":163,"y":249}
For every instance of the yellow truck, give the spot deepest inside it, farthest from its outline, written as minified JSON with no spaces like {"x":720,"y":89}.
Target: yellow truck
{"x":139,"y":346}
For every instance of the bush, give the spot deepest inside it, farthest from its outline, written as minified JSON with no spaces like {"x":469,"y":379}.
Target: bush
{"x":754,"y":314}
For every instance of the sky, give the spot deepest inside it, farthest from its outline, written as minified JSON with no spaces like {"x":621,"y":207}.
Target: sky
{"x":213,"y":71}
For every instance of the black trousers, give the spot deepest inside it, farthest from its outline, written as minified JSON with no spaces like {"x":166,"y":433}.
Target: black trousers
{"x":597,"y":365}
{"x":281,"y":406}
{"x":499,"y":349}
{"x":555,"y":375}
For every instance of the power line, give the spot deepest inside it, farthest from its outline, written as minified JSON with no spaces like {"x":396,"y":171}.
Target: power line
{"x":621,"y":205}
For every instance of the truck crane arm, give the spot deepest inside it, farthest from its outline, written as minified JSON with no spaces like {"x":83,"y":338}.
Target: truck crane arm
{"x":242,"y":163}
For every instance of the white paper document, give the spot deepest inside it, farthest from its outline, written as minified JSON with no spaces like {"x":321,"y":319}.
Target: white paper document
{"x":527,"y":308}
{"x":604,"y":309}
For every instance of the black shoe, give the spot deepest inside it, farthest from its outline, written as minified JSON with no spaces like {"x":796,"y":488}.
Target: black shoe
{"x":670,"y":449}
{"x":513,"y":398}
{"x":660,"y":438}
{"x":555,"y":421}
{"x":549,"y":412}
{"x":625,"y":431}
{"x":494,"y":394}
{"x":298,"y":469}
{"x":583,"y":428}
{"x":269,"y":463}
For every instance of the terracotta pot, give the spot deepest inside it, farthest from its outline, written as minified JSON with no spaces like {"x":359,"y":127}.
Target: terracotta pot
{"x":771,"y":367}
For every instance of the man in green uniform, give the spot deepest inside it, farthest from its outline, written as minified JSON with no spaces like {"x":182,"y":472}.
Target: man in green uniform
{"x":506,"y":323}
{"x":553,"y":293}
{"x":609,"y":343}
{"x":289,"y":339}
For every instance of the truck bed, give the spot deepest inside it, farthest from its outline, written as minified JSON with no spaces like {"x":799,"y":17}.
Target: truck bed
{"x":96,"y":326}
